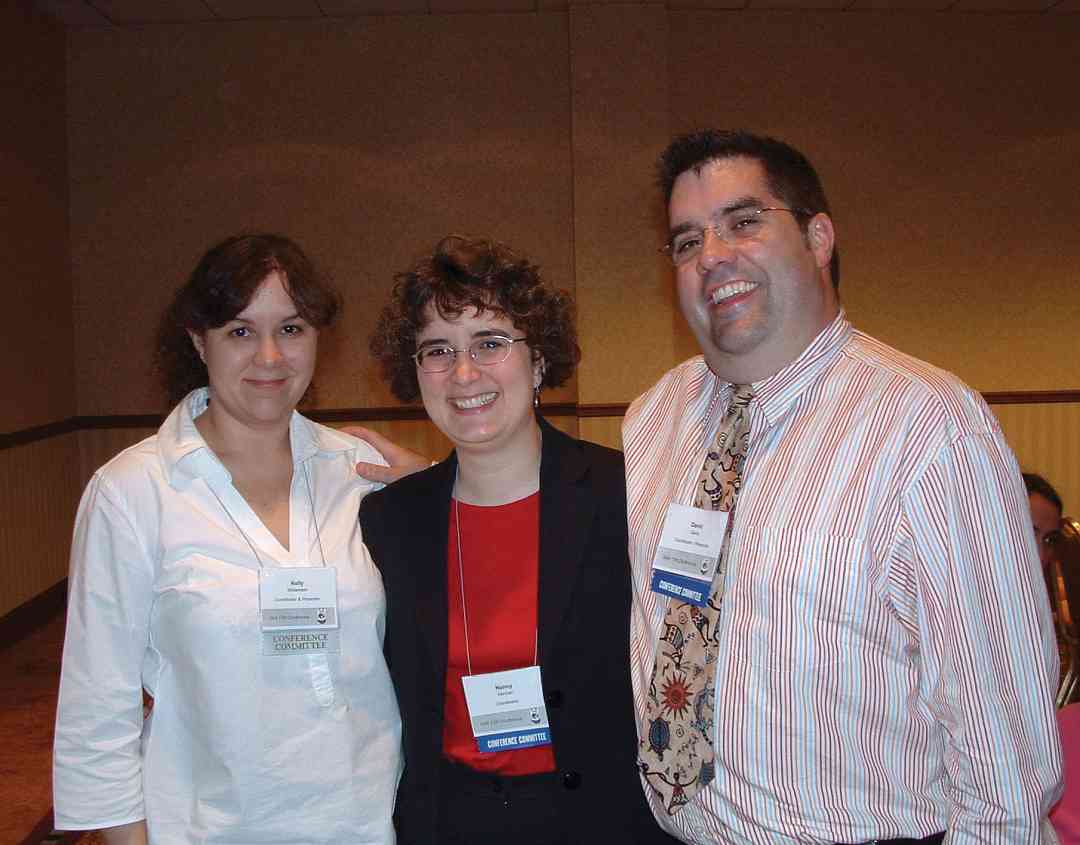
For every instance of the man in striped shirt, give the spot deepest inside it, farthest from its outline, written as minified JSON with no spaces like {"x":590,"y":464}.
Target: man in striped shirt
{"x":886,"y":660}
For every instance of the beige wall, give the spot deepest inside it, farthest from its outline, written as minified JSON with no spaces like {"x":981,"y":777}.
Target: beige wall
{"x":38,"y":493}
{"x":367,"y":141}
{"x":1046,"y":440}
{"x":952,"y":172}
{"x":950,"y":145}
{"x":37,"y":364}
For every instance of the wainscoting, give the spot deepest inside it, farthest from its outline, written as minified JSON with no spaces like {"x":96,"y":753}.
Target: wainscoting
{"x":45,"y":472}
{"x":38,"y":497}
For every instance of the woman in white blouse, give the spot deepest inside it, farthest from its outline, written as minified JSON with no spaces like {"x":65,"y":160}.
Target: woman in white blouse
{"x":219,"y":567}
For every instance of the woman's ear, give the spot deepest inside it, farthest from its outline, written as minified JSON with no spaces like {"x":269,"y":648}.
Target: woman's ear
{"x":539,"y":368}
{"x":199,"y":343}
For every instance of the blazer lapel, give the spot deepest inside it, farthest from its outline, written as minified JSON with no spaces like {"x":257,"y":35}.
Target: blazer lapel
{"x":566,"y":514}
{"x":429,"y":527}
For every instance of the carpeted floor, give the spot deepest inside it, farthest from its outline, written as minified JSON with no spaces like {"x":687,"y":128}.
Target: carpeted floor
{"x":29,"y":671}
{"x":29,"y":674}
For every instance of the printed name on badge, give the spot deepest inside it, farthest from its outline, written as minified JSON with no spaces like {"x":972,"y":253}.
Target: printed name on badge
{"x":507,"y":709}
{"x":298,"y":610}
{"x":688,"y":553}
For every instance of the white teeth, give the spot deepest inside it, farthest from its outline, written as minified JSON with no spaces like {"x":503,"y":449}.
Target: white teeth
{"x":474,"y":401}
{"x":731,"y":289}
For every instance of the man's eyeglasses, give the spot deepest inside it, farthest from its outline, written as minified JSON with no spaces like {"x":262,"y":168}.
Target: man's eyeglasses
{"x":485,"y":351}
{"x":733,"y":228}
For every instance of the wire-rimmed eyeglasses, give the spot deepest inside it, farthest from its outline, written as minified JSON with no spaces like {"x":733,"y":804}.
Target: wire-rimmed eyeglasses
{"x":734,"y":227}
{"x":485,"y":351}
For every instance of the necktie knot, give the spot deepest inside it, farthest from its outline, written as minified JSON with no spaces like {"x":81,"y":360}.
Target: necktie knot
{"x":741,"y":395}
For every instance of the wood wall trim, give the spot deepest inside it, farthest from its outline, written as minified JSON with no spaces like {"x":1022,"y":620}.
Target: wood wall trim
{"x":31,"y":614}
{"x":1031,"y":397}
{"x":416,"y":412}
{"x":26,"y":436}
{"x":616,"y":410}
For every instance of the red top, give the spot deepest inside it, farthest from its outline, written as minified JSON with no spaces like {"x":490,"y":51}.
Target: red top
{"x":500,"y":546}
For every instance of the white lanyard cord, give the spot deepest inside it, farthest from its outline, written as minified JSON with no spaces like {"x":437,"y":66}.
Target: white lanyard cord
{"x":232,"y":519}
{"x":461,"y":581}
{"x":314,"y":519}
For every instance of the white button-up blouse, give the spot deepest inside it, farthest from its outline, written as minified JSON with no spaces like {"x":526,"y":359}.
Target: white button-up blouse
{"x":239,"y":747}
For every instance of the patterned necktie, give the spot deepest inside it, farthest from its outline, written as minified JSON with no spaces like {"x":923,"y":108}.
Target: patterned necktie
{"x":676,"y":754}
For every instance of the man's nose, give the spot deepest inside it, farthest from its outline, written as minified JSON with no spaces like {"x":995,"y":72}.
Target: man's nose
{"x":714,"y":250}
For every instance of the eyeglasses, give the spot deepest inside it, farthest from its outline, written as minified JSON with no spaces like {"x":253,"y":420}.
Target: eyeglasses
{"x":733,"y":228}
{"x":485,"y":351}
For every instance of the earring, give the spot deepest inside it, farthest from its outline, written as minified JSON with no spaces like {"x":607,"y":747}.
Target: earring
{"x":536,"y":396}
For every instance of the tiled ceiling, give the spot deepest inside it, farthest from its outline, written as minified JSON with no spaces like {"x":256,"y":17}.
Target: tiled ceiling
{"x":120,"y":13}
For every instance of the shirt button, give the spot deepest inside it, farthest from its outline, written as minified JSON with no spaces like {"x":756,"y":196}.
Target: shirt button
{"x":571,"y":780}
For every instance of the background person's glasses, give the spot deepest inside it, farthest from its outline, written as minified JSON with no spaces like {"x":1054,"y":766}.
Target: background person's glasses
{"x":485,"y":351}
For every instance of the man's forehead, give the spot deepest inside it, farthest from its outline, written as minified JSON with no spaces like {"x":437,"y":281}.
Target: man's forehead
{"x":718,"y":184}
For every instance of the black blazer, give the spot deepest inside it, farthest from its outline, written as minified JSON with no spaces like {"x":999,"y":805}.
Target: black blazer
{"x":584,"y":619}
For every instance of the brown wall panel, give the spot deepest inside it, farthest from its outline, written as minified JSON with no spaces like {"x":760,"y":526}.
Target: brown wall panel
{"x":606,"y":431}
{"x":98,"y":446}
{"x":952,"y":173}
{"x":366,"y":139}
{"x":929,"y":144}
{"x":620,"y":95}
{"x":36,"y":516}
{"x":1046,"y":440}
{"x":37,"y":365}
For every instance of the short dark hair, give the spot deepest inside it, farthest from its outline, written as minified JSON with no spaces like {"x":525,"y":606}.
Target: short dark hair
{"x":474,"y":273}
{"x":1039,"y":485}
{"x":790,"y":174}
{"x":220,"y":287}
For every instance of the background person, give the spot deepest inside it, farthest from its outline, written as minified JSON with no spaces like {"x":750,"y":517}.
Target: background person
{"x":1046,"y":513}
{"x":264,"y":728}
{"x":508,"y":555}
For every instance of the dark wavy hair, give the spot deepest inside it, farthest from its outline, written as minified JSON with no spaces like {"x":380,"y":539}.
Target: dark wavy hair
{"x":1035,"y":483}
{"x":220,"y":287}
{"x":791,"y":176}
{"x":474,"y":273}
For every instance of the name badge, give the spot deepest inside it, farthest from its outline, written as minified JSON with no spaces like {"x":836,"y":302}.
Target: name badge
{"x":689,"y":551}
{"x":507,"y":709}
{"x":298,"y":610}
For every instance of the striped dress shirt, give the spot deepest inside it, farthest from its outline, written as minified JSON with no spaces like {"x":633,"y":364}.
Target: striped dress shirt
{"x":887,"y":658}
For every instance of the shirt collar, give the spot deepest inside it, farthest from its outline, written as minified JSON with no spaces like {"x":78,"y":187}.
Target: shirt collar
{"x":186,"y":455}
{"x":775,"y":394}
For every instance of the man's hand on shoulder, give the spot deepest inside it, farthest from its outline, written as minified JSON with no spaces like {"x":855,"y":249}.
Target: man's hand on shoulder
{"x":401,"y":461}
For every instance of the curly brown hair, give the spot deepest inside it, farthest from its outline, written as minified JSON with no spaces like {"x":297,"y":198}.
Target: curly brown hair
{"x":474,"y":273}
{"x":220,"y":287}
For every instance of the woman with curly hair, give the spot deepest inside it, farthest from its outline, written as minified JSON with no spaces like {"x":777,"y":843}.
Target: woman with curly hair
{"x":506,"y":572}
{"x":218,"y":566}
